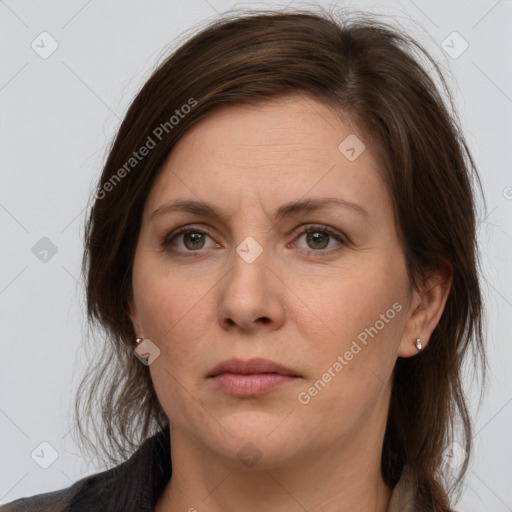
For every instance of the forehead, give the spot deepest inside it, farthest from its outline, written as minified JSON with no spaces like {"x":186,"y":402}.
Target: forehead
{"x":278,"y":151}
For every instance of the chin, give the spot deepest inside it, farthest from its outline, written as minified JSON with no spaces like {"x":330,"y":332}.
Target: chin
{"x":261,"y":453}
{"x":264,"y":439}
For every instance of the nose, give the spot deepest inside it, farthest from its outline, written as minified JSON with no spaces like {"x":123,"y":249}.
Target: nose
{"x":251,"y":296}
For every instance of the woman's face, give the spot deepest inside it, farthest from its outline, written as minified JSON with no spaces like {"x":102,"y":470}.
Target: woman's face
{"x":290,"y":255}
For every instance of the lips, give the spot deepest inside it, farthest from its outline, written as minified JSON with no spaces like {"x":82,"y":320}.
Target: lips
{"x":252,"y":378}
{"x":251,"y":366}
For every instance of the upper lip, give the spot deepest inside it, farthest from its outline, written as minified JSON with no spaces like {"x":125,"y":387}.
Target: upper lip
{"x":250,"y":366}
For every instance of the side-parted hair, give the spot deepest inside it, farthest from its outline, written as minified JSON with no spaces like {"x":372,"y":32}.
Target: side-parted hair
{"x":369,"y":72}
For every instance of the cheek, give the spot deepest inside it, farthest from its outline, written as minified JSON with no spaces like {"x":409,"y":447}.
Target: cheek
{"x":172,"y":305}
{"x":355,"y":299}
{"x":363,"y":317}
{"x":351,"y":369}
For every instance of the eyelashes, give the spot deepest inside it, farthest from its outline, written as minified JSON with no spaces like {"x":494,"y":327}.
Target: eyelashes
{"x":168,"y":242}
{"x":327,"y":234}
{"x":194,"y":239}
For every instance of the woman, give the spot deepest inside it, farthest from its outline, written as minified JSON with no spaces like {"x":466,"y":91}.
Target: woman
{"x":284,"y":237}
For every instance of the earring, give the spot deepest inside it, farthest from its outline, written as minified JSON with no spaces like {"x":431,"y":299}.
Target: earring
{"x":418,"y":343}
{"x":139,"y":340}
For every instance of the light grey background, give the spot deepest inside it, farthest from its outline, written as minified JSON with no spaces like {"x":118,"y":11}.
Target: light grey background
{"x":58,"y":116}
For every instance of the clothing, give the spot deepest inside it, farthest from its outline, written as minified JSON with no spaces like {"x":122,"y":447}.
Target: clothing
{"x":136,"y":485}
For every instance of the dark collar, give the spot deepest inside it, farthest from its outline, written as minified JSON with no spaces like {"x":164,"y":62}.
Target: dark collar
{"x":138,"y":483}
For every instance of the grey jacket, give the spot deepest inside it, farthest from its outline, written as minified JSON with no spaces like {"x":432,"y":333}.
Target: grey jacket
{"x":136,"y":485}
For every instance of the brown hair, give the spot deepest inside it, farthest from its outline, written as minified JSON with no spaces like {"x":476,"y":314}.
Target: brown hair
{"x":370,"y":72}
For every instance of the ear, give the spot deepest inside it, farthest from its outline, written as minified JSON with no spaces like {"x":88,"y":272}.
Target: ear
{"x":425,"y":310}
{"x":135,"y":319}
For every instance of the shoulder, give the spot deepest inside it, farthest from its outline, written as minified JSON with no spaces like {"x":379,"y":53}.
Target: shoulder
{"x":56,"y":501}
{"x":62,"y":500}
{"x":88,"y":493}
{"x":134,"y":483}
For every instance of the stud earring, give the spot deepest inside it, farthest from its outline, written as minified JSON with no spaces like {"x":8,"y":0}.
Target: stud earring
{"x":418,"y":343}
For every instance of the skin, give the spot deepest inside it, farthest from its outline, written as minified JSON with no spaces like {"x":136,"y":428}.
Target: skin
{"x":298,"y":308}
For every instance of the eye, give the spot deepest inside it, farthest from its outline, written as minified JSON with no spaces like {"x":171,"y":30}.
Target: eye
{"x":320,"y":238}
{"x":187,"y":239}
{"x":190,"y":239}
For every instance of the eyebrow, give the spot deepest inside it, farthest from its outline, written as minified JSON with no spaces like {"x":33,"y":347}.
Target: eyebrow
{"x":287,"y":210}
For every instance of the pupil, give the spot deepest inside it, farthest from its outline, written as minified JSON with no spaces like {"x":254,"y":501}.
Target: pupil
{"x":318,"y":238}
{"x":194,"y":238}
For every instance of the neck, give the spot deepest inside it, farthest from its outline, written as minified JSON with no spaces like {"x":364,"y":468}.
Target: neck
{"x":321,"y":481}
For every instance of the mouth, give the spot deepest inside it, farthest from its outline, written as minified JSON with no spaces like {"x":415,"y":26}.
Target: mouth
{"x":253,"y":377}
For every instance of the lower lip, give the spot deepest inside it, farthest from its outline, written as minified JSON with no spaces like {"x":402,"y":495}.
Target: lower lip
{"x":254,"y":384}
